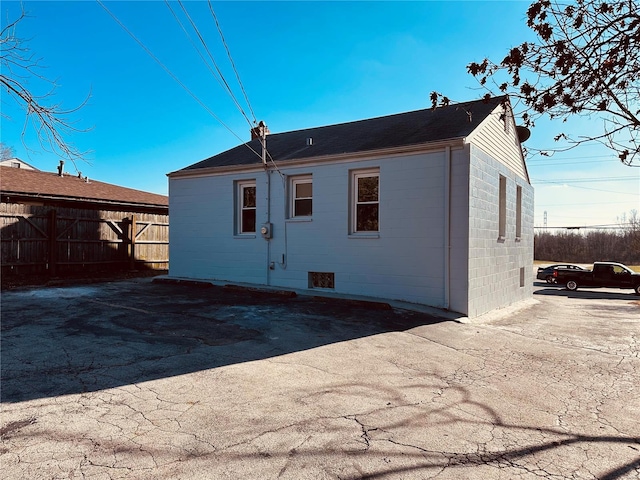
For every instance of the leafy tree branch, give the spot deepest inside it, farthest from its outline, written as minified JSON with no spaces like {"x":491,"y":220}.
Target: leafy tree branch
{"x":585,"y":62}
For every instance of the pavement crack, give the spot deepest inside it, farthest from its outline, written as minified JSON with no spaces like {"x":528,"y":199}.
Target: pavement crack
{"x":365,"y":431}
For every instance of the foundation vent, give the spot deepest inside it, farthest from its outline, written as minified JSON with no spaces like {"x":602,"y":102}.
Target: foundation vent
{"x":321,"y":280}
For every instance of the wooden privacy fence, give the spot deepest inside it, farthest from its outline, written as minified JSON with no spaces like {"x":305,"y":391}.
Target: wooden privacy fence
{"x":60,"y":241}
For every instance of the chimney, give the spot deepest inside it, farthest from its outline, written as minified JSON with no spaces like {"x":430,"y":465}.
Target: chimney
{"x":257,"y":132}
{"x":61,"y":168}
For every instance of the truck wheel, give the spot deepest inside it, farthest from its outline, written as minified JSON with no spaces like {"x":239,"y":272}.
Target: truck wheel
{"x":572,"y":285}
{"x":637,"y":289}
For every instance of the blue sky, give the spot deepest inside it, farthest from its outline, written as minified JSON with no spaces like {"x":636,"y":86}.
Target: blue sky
{"x":303,"y":64}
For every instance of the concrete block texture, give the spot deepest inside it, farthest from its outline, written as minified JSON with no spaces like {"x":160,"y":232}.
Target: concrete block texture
{"x":497,"y":261}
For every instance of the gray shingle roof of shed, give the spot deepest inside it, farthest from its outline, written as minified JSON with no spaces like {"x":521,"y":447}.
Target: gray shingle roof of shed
{"x":403,"y":129}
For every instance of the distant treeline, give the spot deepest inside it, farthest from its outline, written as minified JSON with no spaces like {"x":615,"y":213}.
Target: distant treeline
{"x":600,"y":245}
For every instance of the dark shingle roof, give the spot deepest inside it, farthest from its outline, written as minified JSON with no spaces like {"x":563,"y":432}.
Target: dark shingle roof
{"x":20,"y":181}
{"x":403,"y":129}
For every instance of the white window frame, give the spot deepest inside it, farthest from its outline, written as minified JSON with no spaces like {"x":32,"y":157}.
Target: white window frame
{"x":355,"y":175}
{"x":240,"y":187}
{"x":298,"y":180}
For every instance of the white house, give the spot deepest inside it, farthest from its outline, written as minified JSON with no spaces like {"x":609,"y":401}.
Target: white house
{"x":16,"y":163}
{"x":433,"y":207}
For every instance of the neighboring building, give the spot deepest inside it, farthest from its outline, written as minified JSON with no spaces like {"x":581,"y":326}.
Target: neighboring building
{"x":16,"y":163}
{"x":433,"y":207}
{"x":56,"y":224}
{"x":33,"y":187}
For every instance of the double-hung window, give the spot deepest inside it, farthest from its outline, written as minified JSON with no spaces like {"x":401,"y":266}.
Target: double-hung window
{"x":365,"y":201}
{"x":301,"y":196}
{"x":247,"y":207}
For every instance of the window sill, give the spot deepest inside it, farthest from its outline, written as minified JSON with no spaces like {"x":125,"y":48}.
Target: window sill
{"x":518,"y":239}
{"x":501,"y":239}
{"x":364,"y":235}
{"x":299,"y":219}
{"x":244,"y":236}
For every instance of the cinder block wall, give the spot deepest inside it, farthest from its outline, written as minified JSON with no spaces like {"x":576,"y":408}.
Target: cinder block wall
{"x":495,"y":264}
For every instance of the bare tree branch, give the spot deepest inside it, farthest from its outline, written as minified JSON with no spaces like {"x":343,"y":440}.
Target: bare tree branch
{"x":50,"y":120}
{"x":6,"y":152}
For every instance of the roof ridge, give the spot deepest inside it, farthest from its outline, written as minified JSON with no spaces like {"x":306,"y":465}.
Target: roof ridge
{"x":404,"y":129}
{"x":483,"y":101}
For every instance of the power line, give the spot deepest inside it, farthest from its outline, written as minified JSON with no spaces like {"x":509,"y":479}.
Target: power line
{"x":578,"y":204}
{"x":174,"y":77}
{"x":547,"y":157}
{"x":595,"y":189}
{"x":244,"y":92}
{"x":233,"y":65}
{"x":590,"y":180}
{"x":175,"y":16}
{"x":611,"y":226}
{"x":562,"y":163}
{"x":206,"y":48}
{"x":571,"y":217}
{"x":220,"y":76}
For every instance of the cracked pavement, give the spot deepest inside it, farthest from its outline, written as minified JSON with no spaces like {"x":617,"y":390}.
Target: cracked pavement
{"x":140,"y":380}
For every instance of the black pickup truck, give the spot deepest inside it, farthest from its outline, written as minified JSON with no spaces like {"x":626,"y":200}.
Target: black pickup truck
{"x":603,"y":274}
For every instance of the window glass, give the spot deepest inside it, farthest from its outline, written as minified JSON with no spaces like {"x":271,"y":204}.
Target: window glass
{"x":303,"y":208}
{"x":304,"y":189}
{"x":247,"y":218}
{"x":368,"y":189}
{"x":366,"y":207}
{"x":302,"y":197}
{"x":367,"y":218}
{"x":518,"y":211}
{"x":248,"y":197}
{"x":502,"y":210}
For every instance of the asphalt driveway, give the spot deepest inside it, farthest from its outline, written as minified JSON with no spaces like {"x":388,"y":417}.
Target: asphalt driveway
{"x":59,"y":341}
{"x":142,"y":380}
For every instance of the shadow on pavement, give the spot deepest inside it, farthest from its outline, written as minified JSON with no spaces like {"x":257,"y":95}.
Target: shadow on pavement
{"x":58,"y":341}
{"x":596,"y":294}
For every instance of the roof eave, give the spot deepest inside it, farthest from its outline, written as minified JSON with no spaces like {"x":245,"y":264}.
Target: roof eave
{"x":63,"y":198}
{"x":369,"y":154}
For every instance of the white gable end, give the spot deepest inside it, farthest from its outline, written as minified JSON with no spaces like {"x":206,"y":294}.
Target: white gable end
{"x":498,"y":138}
{"x":16,"y":163}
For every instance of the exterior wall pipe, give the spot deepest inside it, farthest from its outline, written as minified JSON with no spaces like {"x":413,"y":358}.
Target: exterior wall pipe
{"x":447,"y":226}
{"x":267,"y":171}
